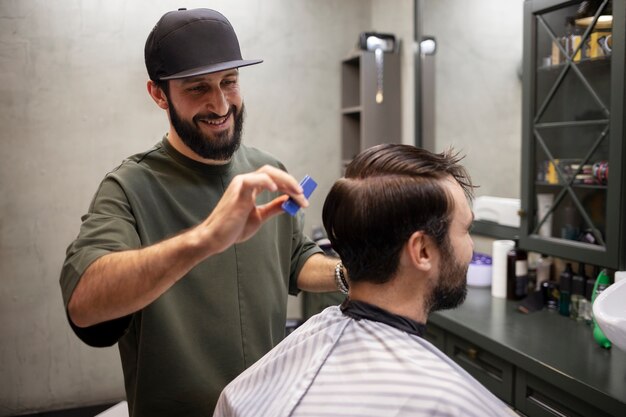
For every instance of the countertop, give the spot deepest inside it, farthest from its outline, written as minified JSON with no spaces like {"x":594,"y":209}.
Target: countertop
{"x":555,"y":348}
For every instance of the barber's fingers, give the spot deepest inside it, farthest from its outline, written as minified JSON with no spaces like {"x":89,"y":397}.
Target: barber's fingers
{"x":257,"y":216}
{"x":274,"y":207}
{"x":285,"y":183}
{"x":246,"y":187}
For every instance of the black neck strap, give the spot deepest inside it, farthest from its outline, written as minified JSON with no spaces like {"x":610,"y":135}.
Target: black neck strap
{"x":360,"y":310}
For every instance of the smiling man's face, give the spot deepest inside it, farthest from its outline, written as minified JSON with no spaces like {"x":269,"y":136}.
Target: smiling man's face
{"x":207,"y":113}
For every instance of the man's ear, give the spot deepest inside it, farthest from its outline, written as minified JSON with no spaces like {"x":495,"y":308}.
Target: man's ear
{"x":157,"y":94}
{"x":422,"y":251}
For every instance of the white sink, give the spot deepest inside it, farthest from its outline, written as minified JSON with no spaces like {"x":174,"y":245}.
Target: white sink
{"x":609,"y":311}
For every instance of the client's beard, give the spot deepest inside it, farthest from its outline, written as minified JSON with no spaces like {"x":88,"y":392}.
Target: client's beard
{"x":451,"y":289}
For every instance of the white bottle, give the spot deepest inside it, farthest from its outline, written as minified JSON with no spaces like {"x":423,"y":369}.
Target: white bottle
{"x":544,"y":270}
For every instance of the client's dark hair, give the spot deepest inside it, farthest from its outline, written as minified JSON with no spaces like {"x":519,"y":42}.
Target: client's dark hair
{"x":389,"y":192}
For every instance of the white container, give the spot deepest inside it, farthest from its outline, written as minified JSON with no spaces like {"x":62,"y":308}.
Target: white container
{"x":544,"y":203}
{"x":479,"y":271}
{"x":500,"y":249}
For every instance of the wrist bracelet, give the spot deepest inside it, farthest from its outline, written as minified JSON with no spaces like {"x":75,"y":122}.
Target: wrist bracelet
{"x":340,"y":279}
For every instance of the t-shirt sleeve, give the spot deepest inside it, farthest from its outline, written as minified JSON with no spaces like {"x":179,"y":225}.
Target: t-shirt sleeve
{"x":108,"y":226}
{"x":303,"y":249}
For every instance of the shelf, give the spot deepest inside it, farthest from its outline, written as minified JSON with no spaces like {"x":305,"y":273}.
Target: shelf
{"x":494,"y":230}
{"x":365,"y":122}
{"x":588,"y":186}
{"x":572,"y":111}
{"x":351,"y":110}
{"x":583,"y":63}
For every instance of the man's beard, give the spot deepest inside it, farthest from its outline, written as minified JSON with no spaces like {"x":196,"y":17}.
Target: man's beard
{"x":219,"y":147}
{"x":451,"y":289}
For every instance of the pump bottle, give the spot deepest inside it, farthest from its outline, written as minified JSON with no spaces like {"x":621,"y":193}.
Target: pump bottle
{"x":602,"y":282}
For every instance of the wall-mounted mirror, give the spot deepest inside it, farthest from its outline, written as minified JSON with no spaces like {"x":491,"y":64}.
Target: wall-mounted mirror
{"x":472,"y":92}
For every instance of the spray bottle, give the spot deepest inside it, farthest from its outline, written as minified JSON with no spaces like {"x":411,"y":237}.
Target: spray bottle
{"x":602,"y":282}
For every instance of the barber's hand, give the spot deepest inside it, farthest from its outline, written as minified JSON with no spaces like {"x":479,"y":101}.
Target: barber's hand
{"x":237,"y":217}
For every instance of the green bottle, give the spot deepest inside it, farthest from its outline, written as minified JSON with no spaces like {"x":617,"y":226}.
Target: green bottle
{"x":602,"y":282}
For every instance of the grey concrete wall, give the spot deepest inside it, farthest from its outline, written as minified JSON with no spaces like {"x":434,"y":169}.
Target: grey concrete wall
{"x":396,"y":17}
{"x":478,"y":92}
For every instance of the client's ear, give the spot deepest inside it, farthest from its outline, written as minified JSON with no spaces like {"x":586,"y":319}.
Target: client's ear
{"x":422,"y":250}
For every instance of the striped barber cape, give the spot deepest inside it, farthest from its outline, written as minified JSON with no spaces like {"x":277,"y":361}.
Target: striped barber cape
{"x":334,"y":365}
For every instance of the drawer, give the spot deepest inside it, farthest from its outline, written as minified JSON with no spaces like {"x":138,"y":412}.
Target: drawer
{"x":493,"y":372}
{"x":536,"y":398}
{"x":436,"y":335}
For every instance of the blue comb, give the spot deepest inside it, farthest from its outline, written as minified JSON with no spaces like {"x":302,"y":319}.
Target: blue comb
{"x":308,"y":185}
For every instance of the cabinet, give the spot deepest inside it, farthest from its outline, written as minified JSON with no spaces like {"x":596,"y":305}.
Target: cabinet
{"x":541,"y":364}
{"x":573,"y":140}
{"x":365,"y":119}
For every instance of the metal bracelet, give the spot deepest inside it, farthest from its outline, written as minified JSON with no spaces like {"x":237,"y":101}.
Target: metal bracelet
{"x":340,"y":279}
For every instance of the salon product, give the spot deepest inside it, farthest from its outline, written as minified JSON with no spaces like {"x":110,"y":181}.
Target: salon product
{"x":544,"y":204}
{"x":551,"y":294}
{"x":599,"y":40}
{"x":585,"y":308}
{"x":602,"y":282}
{"x":516,"y":273}
{"x":565,"y":289}
{"x":544,"y":270}
{"x":578,"y":293}
{"x":576,"y":46}
{"x":556,"y":55}
{"x":533,"y":259}
{"x":570,"y":229}
{"x":499,"y":250}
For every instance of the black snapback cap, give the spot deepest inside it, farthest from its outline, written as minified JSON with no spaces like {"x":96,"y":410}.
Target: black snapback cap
{"x":185,"y":43}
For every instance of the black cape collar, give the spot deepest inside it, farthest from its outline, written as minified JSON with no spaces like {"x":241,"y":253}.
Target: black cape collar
{"x":360,"y":310}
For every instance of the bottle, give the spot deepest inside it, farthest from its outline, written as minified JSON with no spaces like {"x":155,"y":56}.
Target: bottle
{"x":585,"y":308}
{"x":570,"y":228}
{"x":544,"y":271}
{"x":550,"y":291}
{"x":578,"y":293}
{"x":516,"y":273}
{"x":576,"y":39}
{"x":602,"y":282}
{"x":565,"y":288}
{"x":533,"y":261}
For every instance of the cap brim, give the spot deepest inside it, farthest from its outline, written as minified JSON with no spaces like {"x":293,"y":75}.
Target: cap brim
{"x":222,"y":66}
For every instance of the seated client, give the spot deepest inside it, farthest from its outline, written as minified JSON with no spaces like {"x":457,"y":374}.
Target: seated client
{"x":400,"y":220}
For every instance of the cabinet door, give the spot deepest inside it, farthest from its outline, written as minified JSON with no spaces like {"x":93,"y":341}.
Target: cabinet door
{"x":573,"y":130}
{"x":493,"y":372}
{"x":436,"y":335}
{"x":537,"y":398}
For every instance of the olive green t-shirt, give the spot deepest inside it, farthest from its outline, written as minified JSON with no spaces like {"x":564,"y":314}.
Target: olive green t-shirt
{"x":180,"y":351}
